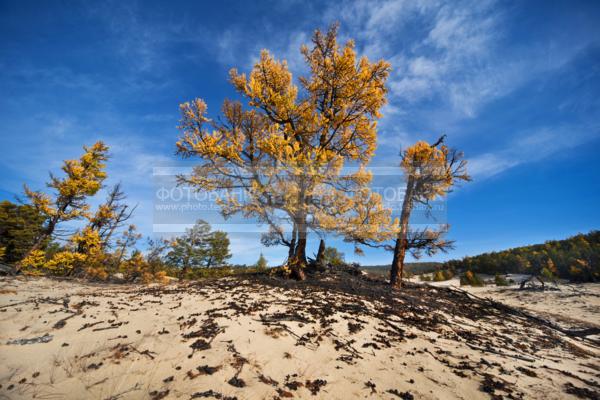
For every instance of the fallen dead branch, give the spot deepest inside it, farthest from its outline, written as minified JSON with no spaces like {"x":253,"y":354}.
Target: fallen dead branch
{"x":575,"y":333}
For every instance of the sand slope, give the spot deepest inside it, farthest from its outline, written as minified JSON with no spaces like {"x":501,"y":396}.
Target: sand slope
{"x":266,"y":339}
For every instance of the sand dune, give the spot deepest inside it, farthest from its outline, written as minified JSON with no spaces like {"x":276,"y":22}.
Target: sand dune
{"x":342,"y":337}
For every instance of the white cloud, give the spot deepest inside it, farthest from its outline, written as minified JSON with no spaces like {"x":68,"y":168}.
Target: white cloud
{"x":490,"y":164}
{"x":422,"y":66}
{"x":449,"y":53}
{"x":531,"y":146}
{"x":446,"y":63}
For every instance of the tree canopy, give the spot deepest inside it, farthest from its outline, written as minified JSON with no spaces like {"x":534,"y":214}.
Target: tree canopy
{"x":286,"y":150}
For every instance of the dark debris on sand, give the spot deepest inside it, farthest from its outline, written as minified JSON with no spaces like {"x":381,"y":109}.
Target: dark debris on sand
{"x":343,"y":296}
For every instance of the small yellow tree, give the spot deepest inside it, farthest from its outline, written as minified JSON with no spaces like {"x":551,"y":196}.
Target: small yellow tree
{"x":431,"y":170}
{"x":111,"y":215}
{"x":287,"y":152}
{"x":83,"y":178}
{"x":83,"y":253}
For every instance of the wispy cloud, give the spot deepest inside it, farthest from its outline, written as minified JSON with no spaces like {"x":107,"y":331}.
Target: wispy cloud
{"x":446,"y":54}
{"x":143,"y":43}
{"x":446,"y":60}
{"x":532,"y":146}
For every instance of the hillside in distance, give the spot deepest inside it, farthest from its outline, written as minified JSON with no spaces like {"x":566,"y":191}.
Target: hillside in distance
{"x":576,"y":258}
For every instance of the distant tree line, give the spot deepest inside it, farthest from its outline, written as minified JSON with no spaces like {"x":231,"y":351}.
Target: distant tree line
{"x":410,"y":268}
{"x":576,"y":258}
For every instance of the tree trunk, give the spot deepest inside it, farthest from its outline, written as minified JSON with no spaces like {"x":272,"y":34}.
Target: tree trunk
{"x":298,"y":260}
{"x":292,"y":250}
{"x":397,"y":270}
{"x":320,"y":261}
{"x":184,"y":272}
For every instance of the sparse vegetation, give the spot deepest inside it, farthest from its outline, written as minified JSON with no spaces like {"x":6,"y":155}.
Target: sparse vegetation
{"x":412,"y":268}
{"x":500,"y":280}
{"x":261,"y":264}
{"x":439,"y":276}
{"x":470,"y":278}
{"x":333,"y":257}
{"x":28,"y":231}
{"x":198,"y":248}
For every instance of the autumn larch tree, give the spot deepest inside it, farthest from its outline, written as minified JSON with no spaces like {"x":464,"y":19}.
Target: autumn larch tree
{"x":430,"y":170}
{"x":83,"y":178}
{"x":287,"y":151}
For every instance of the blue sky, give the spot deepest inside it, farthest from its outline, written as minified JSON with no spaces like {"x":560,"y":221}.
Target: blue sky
{"x":516,"y":85}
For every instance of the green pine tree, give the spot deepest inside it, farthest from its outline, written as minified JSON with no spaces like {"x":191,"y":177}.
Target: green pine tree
{"x":198,"y":248}
{"x":20,"y":228}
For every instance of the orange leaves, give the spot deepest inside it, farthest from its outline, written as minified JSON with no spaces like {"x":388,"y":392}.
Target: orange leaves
{"x":345,"y":95}
{"x":83,"y":178}
{"x":289,"y":149}
{"x":269,"y":87}
{"x":434,"y":169}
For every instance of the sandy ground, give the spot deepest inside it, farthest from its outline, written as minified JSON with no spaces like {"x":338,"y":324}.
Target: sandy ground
{"x":230,"y":339}
{"x":571,"y":305}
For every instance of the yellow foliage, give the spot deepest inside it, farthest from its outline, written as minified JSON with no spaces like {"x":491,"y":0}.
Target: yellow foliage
{"x":83,"y":178}
{"x":65,"y":261}
{"x":428,"y":166}
{"x":287,"y":153}
{"x":575,"y":270}
{"x":161,"y":277}
{"x":439,"y":276}
{"x":137,"y":266}
{"x":469,"y":275}
{"x":34,"y":262}
{"x":104,"y":213}
{"x":83,"y":253}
